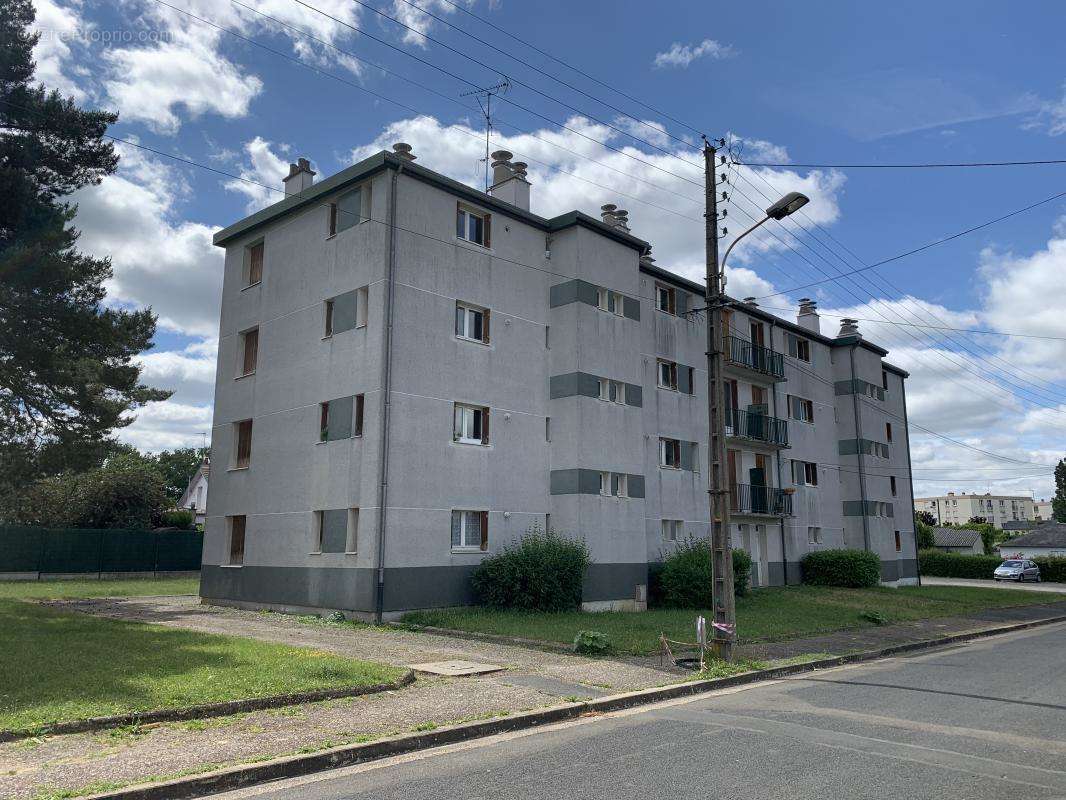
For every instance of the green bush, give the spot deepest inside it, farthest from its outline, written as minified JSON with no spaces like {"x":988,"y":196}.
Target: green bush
{"x":936,"y":563}
{"x":853,"y":569}
{"x":685,"y":578}
{"x":179,"y":518}
{"x":540,"y":572}
{"x":924,"y":533}
{"x":1052,"y":568}
{"x":592,"y":643}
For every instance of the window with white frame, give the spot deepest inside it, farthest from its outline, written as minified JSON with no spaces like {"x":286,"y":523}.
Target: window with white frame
{"x":800,"y":409}
{"x":606,"y":300}
{"x":804,"y":473}
{"x":672,"y":530}
{"x":814,"y":535}
{"x":665,"y":298}
{"x":336,"y":531}
{"x":470,"y":530}
{"x":473,"y":226}
{"x":471,"y":424}
{"x":798,"y":347}
{"x":612,"y":391}
{"x":472,"y":323}
{"x":667,"y":374}
{"x":613,"y":484}
{"x":669,"y":453}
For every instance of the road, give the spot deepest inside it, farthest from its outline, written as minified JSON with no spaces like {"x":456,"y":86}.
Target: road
{"x":981,"y":720}
{"x":1028,"y":586}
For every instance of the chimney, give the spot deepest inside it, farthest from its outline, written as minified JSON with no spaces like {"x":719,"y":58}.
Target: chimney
{"x":647,"y":258}
{"x":849,"y":327}
{"x":623,"y":219}
{"x":750,"y":301}
{"x":300,"y":177}
{"x":808,"y":315}
{"x":403,"y":150}
{"x":509,"y":181}
{"x":607,"y":214}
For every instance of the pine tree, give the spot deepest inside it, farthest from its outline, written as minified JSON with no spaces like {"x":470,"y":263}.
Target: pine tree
{"x":1058,"y":503}
{"x":67,"y":370}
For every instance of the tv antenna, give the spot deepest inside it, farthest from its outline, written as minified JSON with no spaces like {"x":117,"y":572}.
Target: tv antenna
{"x":484,"y":101}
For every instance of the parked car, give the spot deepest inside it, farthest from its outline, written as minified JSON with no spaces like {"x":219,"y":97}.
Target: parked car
{"x":1017,"y":569}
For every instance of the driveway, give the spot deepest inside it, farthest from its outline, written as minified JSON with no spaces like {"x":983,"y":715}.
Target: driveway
{"x":991,"y":584}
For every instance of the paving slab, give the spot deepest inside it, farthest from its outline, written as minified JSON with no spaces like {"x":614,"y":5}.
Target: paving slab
{"x":456,"y":669}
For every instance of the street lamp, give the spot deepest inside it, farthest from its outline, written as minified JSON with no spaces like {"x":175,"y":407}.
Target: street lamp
{"x":786,"y":206}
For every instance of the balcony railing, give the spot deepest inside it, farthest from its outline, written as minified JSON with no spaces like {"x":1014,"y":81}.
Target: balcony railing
{"x":757,"y":358}
{"x":747,"y":499}
{"x":756,"y":426}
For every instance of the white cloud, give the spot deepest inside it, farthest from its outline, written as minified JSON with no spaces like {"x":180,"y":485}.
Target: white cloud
{"x":1051,"y":116}
{"x":168,"y":424}
{"x":420,"y":22}
{"x":681,"y":55}
{"x":266,"y":168}
{"x":62,"y":41}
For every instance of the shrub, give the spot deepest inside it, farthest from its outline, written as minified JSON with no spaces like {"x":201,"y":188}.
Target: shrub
{"x":685,"y":577}
{"x":1052,"y":568}
{"x":924,"y":533}
{"x":540,"y":572}
{"x":592,"y":643}
{"x":853,"y":569}
{"x":936,"y":563}
{"x":179,"y":518}
{"x":876,"y":617}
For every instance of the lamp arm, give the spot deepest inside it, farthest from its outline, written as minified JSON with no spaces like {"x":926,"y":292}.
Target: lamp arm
{"x":734,"y":243}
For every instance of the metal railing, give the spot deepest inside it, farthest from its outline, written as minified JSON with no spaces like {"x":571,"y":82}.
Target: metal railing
{"x":747,"y":499}
{"x":756,"y":426}
{"x":755,"y":357}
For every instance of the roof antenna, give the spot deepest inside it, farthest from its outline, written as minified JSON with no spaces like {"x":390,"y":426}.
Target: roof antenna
{"x":486,"y":111}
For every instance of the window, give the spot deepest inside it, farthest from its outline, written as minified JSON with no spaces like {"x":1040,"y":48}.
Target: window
{"x":341,"y":418}
{"x":612,"y":391}
{"x":892,"y":484}
{"x":254,"y":264}
{"x":667,"y":378}
{"x":472,"y":323}
{"x":672,"y":530}
{"x":237,"y":527}
{"x":470,"y":530}
{"x":899,"y":543}
{"x":329,"y":318}
{"x":249,"y":351}
{"x":547,"y":429}
{"x":665,"y":298}
{"x":669,"y":453}
{"x":888,"y":431}
{"x":613,"y":484}
{"x":814,"y":535}
{"x":347,"y":311}
{"x":336,"y":530}
{"x":346,"y":212}
{"x":804,"y":473}
{"x":357,"y":425}
{"x":244,"y":444}
{"x":800,"y":409}
{"x":884,"y":379}
{"x":473,"y":226}
{"x":471,"y":424}
{"x":362,"y":298}
{"x":798,"y":348}
{"x":606,"y":300}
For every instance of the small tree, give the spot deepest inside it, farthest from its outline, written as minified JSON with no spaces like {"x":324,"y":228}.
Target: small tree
{"x":1058,"y":502}
{"x":924,"y":532}
{"x":925,"y":517}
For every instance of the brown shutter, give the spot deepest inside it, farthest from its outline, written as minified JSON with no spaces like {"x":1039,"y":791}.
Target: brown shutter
{"x":332,"y":219}
{"x":323,"y":422}
{"x":484,"y":530}
{"x":255,"y":264}
{"x":251,"y":351}
{"x":485,"y":325}
{"x":485,"y":425}
{"x":244,"y":443}
{"x":488,"y":230}
{"x":359,"y":415}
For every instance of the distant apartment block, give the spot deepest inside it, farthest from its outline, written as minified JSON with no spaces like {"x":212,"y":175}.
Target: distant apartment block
{"x":412,"y":373}
{"x":960,"y":508}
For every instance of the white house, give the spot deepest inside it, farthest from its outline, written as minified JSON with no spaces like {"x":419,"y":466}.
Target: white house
{"x":956,"y":540}
{"x":195,"y":497}
{"x":1047,"y":540}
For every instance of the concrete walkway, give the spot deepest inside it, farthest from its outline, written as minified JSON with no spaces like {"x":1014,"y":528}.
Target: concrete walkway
{"x":991,"y":584}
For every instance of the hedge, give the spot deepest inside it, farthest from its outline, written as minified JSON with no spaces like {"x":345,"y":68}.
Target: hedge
{"x":684,"y":581}
{"x":853,"y":569}
{"x":936,"y":563}
{"x":539,"y":572}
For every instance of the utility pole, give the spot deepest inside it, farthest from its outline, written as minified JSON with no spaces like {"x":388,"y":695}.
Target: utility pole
{"x":725,"y":617}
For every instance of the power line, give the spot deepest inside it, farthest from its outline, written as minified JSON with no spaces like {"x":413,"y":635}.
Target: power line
{"x":908,"y":166}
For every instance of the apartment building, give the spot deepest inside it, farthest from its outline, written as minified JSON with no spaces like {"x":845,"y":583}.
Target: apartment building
{"x":1043,"y":511}
{"x":412,"y":373}
{"x":960,"y":508}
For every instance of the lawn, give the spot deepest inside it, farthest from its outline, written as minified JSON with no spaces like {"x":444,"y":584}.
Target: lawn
{"x":131,"y":587}
{"x":59,"y":665}
{"x":766,"y":614}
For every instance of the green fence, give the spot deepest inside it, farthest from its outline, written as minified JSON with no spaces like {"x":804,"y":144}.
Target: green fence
{"x":72,"y":550}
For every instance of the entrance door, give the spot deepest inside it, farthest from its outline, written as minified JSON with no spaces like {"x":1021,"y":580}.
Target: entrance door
{"x":762,"y":565}
{"x":756,"y":333}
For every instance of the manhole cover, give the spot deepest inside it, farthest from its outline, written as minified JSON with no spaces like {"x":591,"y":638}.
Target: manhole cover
{"x":455,"y":668}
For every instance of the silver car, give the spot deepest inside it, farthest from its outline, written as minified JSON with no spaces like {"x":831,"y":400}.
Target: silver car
{"x":1017,"y":569}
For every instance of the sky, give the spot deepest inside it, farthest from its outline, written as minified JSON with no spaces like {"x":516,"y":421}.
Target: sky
{"x":606,"y":103}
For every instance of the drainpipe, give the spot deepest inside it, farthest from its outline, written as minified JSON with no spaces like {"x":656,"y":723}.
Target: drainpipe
{"x":386,"y":383}
{"x":910,"y":481}
{"x":858,"y":452}
{"x":777,"y":464}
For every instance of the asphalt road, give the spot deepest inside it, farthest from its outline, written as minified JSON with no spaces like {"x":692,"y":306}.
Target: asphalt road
{"x":1027,"y":586}
{"x":981,"y":720}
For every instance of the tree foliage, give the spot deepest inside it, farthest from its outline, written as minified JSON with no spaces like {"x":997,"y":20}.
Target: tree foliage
{"x":924,"y":533}
{"x":925,"y":517}
{"x":67,"y":370}
{"x":1058,"y":502}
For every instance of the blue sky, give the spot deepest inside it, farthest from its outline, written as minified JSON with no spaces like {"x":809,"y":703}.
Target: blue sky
{"x":806,"y":83}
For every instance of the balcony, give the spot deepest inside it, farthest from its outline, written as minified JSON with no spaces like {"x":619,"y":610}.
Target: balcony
{"x":759,"y":501}
{"x":756,"y":426}
{"x":749,"y":357}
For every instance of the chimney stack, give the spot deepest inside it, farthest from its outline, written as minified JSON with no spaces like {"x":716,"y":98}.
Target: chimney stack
{"x":808,"y":315}
{"x":300,"y":177}
{"x":509,"y":182}
{"x":849,"y":327}
{"x":750,"y":301}
{"x":607,"y":214}
{"x":403,"y":150}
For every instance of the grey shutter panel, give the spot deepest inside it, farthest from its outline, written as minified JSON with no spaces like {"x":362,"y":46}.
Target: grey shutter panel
{"x":334,"y":530}
{"x":344,"y":311}
{"x":686,"y":456}
{"x":349,"y":209}
{"x":634,"y":395}
{"x":339,"y":421}
{"x":636,"y":485}
{"x":631,"y":308}
{"x":684,"y":379}
{"x":681,"y":303}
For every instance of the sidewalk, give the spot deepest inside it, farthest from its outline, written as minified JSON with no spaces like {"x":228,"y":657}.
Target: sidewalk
{"x":532,"y":679}
{"x":991,"y":584}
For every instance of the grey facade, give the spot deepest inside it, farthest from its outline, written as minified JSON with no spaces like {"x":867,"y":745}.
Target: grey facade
{"x":544,"y":448}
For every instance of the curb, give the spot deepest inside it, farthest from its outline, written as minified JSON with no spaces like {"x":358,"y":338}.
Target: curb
{"x":206,"y":710}
{"x":348,"y":755}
